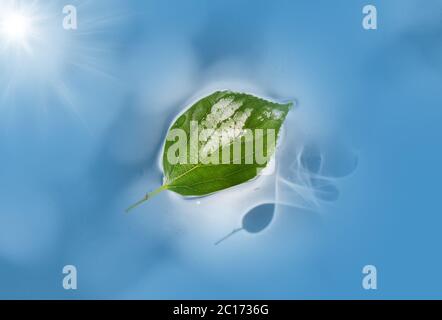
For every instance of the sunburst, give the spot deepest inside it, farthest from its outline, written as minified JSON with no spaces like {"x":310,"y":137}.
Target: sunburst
{"x":36,"y":51}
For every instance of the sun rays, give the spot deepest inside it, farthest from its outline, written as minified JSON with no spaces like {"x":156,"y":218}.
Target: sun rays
{"x":38,"y":56}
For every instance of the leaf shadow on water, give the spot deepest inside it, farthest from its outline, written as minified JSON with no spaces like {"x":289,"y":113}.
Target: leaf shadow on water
{"x":310,"y":177}
{"x":254,"y":221}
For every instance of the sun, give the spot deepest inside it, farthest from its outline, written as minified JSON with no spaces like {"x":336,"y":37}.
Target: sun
{"x":16,"y":26}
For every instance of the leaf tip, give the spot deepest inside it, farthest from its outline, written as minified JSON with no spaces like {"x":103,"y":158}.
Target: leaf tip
{"x":292,"y":104}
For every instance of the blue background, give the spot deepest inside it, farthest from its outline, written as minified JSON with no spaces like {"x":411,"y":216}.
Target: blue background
{"x":83,"y":118}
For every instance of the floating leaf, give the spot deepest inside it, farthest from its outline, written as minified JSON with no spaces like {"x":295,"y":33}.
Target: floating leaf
{"x":221,"y":141}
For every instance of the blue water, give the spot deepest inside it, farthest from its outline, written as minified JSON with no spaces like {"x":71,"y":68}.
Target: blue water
{"x":83,"y":115}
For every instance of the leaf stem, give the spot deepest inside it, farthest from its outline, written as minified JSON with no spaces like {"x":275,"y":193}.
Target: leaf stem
{"x":146,"y":197}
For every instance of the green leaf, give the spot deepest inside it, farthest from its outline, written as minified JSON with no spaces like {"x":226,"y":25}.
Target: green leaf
{"x":221,"y":141}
